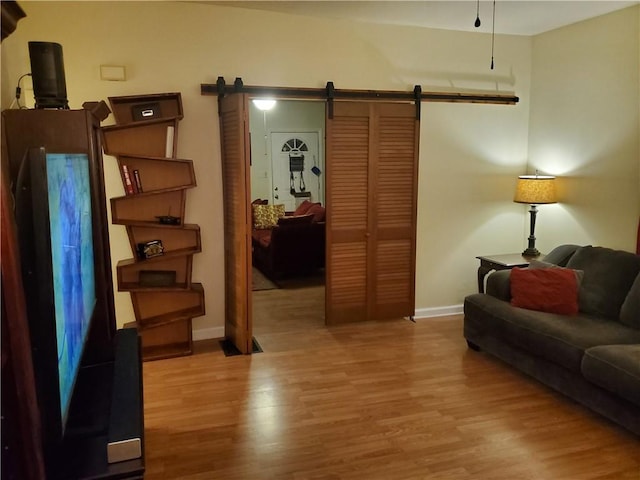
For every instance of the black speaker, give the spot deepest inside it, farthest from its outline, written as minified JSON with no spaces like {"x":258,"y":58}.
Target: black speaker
{"x":47,"y":73}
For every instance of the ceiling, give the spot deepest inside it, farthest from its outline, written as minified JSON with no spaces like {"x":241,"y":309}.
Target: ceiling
{"x":516,"y":17}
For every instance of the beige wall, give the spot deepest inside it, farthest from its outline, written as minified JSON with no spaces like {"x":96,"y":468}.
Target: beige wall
{"x":585,"y":128}
{"x":470,"y":154}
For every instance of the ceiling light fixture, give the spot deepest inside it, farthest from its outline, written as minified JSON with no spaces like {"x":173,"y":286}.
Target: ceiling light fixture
{"x":264,"y":104}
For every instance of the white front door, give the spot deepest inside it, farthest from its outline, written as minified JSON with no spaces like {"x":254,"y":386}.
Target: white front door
{"x":297,"y":168}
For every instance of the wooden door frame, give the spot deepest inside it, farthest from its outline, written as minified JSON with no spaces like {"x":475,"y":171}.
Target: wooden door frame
{"x":238,"y":310}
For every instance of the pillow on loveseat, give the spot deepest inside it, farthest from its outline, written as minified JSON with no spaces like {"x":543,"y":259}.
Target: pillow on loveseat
{"x":318,"y":211}
{"x":561,"y":254}
{"x":307,"y":207}
{"x":608,"y":276}
{"x":304,"y":207}
{"x":552,"y":290}
{"x":266,"y":216}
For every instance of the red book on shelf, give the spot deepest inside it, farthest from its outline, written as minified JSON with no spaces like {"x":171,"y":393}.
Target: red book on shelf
{"x":128,"y":184}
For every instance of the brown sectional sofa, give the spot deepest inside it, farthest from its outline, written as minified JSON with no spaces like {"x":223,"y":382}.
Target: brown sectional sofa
{"x":294,"y":246}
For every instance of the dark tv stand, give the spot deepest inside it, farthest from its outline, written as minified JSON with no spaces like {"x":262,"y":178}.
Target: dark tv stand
{"x":32,"y":446}
{"x":107,"y":407}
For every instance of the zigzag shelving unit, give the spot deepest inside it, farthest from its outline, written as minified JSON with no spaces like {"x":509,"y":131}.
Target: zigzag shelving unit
{"x":165,"y":300}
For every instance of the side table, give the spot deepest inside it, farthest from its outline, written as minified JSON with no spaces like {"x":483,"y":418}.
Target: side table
{"x":499,"y":262}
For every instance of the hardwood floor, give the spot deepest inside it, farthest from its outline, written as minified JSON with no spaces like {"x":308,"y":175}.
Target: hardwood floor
{"x":380,"y":400}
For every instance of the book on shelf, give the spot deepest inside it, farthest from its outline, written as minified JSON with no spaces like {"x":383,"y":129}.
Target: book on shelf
{"x":169,"y":142}
{"x":128,"y":183}
{"x":136,"y":181}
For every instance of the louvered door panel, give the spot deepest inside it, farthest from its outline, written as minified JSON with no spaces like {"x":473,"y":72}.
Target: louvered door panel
{"x":394,"y":180}
{"x":349,"y":287}
{"x":235,"y":166}
{"x":372,"y":153}
{"x":395,"y":168}
{"x":347,"y":196}
{"x":394,"y":284}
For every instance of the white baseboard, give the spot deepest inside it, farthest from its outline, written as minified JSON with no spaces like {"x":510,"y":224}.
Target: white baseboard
{"x":438,"y":311}
{"x":207,"y":333}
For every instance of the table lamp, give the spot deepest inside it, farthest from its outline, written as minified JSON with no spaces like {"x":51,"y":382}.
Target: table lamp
{"x":535,"y":190}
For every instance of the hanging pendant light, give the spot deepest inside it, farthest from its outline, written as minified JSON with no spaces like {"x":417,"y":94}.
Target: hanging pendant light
{"x":493,"y":32}
{"x":477,"y":22}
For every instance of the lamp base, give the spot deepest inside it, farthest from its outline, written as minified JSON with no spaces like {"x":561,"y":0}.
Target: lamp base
{"x":531,"y":252}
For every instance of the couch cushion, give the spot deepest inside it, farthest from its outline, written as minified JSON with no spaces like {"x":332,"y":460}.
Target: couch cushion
{"x":615,"y":368}
{"x":608,"y":276}
{"x":558,"y":338}
{"x":630,"y":311}
{"x":553,"y":290}
{"x":541,"y":264}
{"x":296,"y":219}
{"x":561,"y":254}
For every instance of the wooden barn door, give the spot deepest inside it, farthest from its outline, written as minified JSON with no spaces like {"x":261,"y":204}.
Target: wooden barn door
{"x":234,"y":140}
{"x":371,"y":167}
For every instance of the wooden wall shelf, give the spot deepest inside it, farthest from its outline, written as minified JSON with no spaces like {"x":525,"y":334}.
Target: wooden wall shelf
{"x":128,"y":272}
{"x":144,"y":141}
{"x":153,"y":310}
{"x":181,"y":238}
{"x":145,"y":207}
{"x":158,"y":174}
{"x":167,"y":341}
{"x":165,"y":105}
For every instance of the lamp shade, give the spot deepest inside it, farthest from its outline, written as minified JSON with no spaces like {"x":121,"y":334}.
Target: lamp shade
{"x":536,"y":190}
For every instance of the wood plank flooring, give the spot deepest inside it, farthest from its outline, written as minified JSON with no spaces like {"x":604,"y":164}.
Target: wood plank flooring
{"x":380,"y":400}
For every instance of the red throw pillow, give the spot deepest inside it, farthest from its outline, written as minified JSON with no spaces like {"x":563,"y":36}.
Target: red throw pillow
{"x":318,"y":212}
{"x":304,"y":207}
{"x":553,"y":290}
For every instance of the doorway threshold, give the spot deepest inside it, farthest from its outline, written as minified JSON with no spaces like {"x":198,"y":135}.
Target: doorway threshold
{"x":230,"y":349}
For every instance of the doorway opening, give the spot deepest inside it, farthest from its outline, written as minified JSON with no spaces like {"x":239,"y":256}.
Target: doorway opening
{"x":287,"y":173}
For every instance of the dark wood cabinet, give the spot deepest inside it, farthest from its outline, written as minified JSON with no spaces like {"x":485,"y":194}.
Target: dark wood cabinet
{"x":109,"y":372}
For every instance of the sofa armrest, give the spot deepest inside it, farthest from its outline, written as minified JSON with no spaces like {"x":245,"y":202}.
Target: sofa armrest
{"x":499,"y":285}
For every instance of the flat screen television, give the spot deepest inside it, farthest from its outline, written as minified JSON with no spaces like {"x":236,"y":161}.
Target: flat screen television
{"x":55,"y":233}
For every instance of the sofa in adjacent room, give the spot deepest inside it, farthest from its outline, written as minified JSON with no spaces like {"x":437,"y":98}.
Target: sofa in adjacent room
{"x":576,"y":329}
{"x":286,"y":245}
